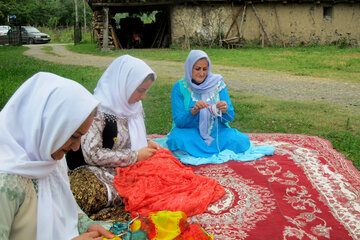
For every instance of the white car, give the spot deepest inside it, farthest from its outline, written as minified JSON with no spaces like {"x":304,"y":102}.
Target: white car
{"x":4,"y":30}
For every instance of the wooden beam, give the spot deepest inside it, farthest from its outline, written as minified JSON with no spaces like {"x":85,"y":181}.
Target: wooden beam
{"x":233,"y":22}
{"x":162,"y":32}
{"x":131,"y":4}
{"x":106,"y":29}
{"x":242,"y":20}
{"x":237,"y":27}
{"x":262,"y":38}
{"x":260,"y":22}
{"x":159,"y":32}
{"x":116,"y":41}
{"x":198,"y":38}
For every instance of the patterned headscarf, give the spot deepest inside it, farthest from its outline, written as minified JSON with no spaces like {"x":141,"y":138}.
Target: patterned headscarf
{"x":205,"y":89}
{"x":36,"y":121}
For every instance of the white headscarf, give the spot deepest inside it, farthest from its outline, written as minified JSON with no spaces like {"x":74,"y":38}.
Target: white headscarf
{"x":114,"y":89}
{"x":36,"y":121}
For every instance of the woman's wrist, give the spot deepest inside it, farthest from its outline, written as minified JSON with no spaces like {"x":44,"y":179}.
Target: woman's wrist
{"x":193,"y":111}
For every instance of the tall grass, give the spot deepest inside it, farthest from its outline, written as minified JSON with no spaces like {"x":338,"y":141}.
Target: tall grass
{"x":66,"y":34}
{"x":253,"y":113}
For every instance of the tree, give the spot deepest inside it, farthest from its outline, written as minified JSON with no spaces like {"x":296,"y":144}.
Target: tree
{"x":77,"y":36}
{"x":85,"y":4}
{"x":52,"y":13}
{"x":21,"y":9}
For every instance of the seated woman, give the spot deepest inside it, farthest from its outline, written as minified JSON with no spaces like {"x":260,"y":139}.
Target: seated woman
{"x":44,"y":118}
{"x":117,"y":137}
{"x":201,"y":109}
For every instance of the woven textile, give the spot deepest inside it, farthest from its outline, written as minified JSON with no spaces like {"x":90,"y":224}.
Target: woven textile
{"x":306,"y":190}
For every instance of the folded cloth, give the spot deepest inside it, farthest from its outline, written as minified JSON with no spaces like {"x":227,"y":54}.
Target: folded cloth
{"x":162,"y":182}
{"x":162,"y":225}
{"x":253,"y":153}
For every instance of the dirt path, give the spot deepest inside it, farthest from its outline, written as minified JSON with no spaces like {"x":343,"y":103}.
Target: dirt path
{"x":273,"y":84}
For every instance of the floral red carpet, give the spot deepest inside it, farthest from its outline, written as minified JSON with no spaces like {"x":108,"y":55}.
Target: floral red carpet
{"x":306,"y":190}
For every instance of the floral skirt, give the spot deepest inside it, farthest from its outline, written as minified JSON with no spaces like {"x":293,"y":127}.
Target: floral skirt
{"x":91,"y":195}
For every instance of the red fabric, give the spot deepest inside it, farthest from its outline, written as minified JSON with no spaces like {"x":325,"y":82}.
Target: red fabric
{"x":164,"y":183}
{"x":307,"y":190}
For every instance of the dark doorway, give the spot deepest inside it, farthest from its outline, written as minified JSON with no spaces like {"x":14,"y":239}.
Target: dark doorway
{"x":143,"y":29}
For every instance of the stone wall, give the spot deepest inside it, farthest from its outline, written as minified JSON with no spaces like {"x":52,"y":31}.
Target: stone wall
{"x":290,"y":24}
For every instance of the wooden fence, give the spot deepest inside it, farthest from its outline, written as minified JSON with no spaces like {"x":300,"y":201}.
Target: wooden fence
{"x":4,"y":40}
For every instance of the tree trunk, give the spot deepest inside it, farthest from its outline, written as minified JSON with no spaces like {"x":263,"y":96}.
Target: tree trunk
{"x":85,"y":2}
{"x":76,"y":13}
{"x":76,"y":27}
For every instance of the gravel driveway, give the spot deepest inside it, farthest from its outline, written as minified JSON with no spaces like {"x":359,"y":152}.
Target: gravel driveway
{"x":273,"y":84}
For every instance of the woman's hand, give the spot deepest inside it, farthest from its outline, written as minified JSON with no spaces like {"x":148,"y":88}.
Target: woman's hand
{"x":153,"y":144}
{"x":89,"y":236}
{"x":222,"y":106}
{"x":198,"y":106}
{"x":95,"y":232}
{"x":149,"y":151}
{"x":145,"y":153}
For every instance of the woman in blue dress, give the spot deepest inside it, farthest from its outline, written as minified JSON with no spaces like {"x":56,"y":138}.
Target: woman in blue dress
{"x":201,"y":110}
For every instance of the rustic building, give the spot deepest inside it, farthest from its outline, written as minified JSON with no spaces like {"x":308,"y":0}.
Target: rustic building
{"x":227,"y":23}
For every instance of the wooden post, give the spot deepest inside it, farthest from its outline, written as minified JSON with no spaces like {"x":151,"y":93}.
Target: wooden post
{"x":158,"y":33}
{"x":242,"y":21}
{"x":262,"y":39}
{"x":77,"y":35}
{"x":162,"y":32}
{"x":233,"y":22}
{"x":198,"y":38}
{"x":262,"y":26}
{"x":237,"y":26}
{"x":116,"y":42}
{"x":106,"y":30}
{"x":278,"y":23}
{"x":186,"y":40}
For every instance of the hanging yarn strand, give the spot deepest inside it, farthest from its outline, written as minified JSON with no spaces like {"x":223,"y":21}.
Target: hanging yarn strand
{"x":223,"y":117}
{"x":216,"y":112}
{"x":217,"y":134}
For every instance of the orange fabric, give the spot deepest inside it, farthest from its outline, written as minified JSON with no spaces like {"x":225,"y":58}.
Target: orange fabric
{"x":162,"y":182}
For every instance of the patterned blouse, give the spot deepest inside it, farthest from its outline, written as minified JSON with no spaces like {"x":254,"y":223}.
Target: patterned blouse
{"x":102,"y":160}
{"x":15,"y":190}
{"x":92,"y":144}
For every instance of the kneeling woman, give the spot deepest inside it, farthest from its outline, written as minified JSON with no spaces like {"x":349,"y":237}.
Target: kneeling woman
{"x":117,"y":138}
{"x":201,"y":110}
{"x":43,"y":120}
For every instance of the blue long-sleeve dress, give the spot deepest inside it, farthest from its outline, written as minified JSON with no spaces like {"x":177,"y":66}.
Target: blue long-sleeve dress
{"x":185,"y":134}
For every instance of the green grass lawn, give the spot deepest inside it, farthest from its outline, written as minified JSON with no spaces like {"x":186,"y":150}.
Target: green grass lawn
{"x":253,"y":113}
{"x":329,"y":61}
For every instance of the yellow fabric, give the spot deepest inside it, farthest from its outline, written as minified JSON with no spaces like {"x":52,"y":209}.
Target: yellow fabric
{"x":135,"y":225}
{"x":167,"y":224}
